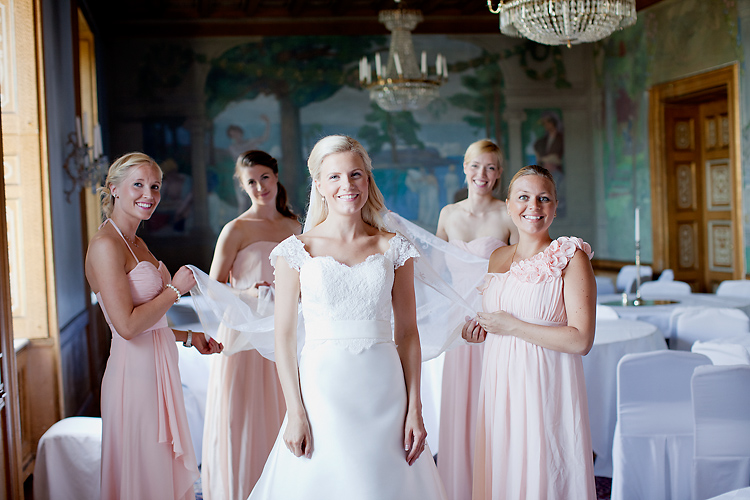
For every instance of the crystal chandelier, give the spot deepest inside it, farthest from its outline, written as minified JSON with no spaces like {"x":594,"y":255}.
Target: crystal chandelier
{"x":558,"y":22}
{"x":401,"y":84}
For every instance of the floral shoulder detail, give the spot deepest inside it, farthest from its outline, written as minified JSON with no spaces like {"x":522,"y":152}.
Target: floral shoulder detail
{"x":485,"y":283}
{"x":549,"y":264}
{"x":293,"y":251}
{"x":400,"y":250}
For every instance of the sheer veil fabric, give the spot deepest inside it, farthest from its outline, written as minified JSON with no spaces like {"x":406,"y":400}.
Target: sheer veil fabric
{"x":446,"y":281}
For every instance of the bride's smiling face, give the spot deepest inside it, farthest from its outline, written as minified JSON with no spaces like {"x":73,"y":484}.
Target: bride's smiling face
{"x":343,"y":182}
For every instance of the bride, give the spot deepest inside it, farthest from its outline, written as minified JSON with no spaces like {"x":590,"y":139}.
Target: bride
{"x":354,"y":419}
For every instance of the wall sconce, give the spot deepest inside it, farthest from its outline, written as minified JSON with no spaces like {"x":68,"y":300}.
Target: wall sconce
{"x":86,"y":165}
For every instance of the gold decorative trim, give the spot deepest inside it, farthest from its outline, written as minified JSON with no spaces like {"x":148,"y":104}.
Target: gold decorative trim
{"x":720,"y":246}
{"x":718,"y":185}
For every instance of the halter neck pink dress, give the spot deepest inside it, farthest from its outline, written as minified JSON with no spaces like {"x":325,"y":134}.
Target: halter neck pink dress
{"x":147,"y":452}
{"x":533,"y":438}
{"x":245,"y":405}
{"x":462,"y":372}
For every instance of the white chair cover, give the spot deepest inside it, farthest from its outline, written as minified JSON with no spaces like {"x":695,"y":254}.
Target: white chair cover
{"x":666,"y":275}
{"x":69,"y":460}
{"x":604,"y":285}
{"x":735,"y":288}
{"x":741,"y":494}
{"x":663,"y":289}
{"x":733,"y":350}
{"x":705,"y":324}
{"x":605,"y":312}
{"x":626,"y":277}
{"x":653,"y":444}
{"x":721,"y":409}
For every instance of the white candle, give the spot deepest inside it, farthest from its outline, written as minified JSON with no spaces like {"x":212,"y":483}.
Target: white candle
{"x":445,"y":68}
{"x":79,"y":135}
{"x":97,"y":141}
{"x":638,"y":224}
{"x":424,"y":63}
{"x":368,"y":73}
{"x":397,"y":62}
{"x":86,"y":129}
{"x":438,"y":66}
{"x":378,"y":68}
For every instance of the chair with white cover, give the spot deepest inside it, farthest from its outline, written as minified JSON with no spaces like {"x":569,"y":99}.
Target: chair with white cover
{"x":626,"y":277}
{"x":606,"y":312}
{"x":666,"y":275}
{"x":708,"y":323}
{"x":664,"y":289}
{"x":741,"y":494}
{"x":69,"y":460}
{"x":721,"y":410}
{"x":734,"y":288}
{"x":734,"y":350}
{"x":652,"y":453}
{"x":604,"y":285}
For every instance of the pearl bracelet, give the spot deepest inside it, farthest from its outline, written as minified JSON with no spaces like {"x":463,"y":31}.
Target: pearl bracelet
{"x":189,"y":341}
{"x":179,"y":295}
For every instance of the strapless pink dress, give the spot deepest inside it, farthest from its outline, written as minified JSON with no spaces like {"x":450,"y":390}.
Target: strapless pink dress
{"x":462,"y":372}
{"x":245,"y":405}
{"x":533,"y":439}
{"x":147,"y":452}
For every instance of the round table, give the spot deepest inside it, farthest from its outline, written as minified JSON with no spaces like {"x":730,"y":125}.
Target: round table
{"x":659,"y":315}
{"x":613,"y":340}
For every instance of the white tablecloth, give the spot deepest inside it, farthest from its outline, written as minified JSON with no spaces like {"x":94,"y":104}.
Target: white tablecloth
{"x":733,"y":350}
{"x":613,"y":340}
{"x":659,"y":315}
{"x":743,"y":494}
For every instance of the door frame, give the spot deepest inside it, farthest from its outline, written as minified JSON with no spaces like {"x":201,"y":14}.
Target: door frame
{"x":727,"y":78}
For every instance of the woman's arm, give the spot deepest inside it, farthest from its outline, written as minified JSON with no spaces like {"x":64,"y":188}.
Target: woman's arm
{"x":442,"y":221}
{"x":226,"y":250}
{"x":105,"y":263}
{"x":406,"y":337}
{"x":297,"y":435}
{"x":579,"y":296}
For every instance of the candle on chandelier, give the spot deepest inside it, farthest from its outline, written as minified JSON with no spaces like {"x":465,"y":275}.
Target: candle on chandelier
{"x":378,"y":68}
{"x":397,"y":62}
{"x":445,"y":67}
{"x":79,"y":136}
{"x":86,"y":138}
{"x":368,"y":72}
{"x":438,"y":65}
{"x":424,"y":63}
{"x":97,"y":141}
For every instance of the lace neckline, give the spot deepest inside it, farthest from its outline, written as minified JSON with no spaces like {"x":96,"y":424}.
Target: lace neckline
{"x":330,"y":257}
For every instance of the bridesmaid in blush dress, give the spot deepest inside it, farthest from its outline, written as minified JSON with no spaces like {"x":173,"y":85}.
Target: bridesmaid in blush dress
{"x":245,"y":405}
{"x":477,"y":225}
{"x":533,"y":439}
{"x":146,"y":448}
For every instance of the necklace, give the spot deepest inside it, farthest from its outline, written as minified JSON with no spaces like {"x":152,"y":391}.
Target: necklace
{"x":132,"y":242}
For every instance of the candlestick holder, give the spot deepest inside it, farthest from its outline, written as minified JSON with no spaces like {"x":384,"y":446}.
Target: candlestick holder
{"x":85,"y":166}
{"x":637,"y":300}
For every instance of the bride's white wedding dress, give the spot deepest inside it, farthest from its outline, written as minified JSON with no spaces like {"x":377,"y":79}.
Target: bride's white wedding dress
{"x":352,"y":386}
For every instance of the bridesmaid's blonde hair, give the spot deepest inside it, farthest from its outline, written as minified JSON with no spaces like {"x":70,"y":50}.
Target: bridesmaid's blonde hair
{"x":534,"y":170}
{"x":120,"y":169}
{"x":317,"y":210}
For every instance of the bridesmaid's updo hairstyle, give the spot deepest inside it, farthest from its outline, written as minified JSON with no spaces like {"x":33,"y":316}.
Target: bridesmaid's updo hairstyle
{"x":485,"y":146}
{"x":534,"y":170}
{"x":120,"y":169}
{"x":318,"y":210}
{"x":253,"y":158}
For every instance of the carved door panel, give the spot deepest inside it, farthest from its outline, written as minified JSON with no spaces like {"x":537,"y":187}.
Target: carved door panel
{"x":684,"y":193}
{"x":718,"y":202}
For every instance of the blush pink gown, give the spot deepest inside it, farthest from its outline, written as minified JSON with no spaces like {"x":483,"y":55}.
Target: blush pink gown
{"x":533,"y":439}
{"x":462,"y":372}
{"x":245,"y":405}
{"x":147,"y":452}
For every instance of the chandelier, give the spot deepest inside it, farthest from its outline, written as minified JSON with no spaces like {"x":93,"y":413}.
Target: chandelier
{"x":558,"y":22}
{"x":401,"y":84}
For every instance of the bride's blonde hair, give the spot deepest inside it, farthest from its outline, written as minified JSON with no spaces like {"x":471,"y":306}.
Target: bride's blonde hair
{"x":317,"y":210}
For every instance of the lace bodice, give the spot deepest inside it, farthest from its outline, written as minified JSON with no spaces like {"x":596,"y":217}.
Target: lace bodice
{"x":332,"y":291}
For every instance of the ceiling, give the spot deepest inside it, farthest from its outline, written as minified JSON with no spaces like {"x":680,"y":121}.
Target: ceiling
{"x":172,"y":18}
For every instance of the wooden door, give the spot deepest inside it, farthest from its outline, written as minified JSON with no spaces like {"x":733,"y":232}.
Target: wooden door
{"x":684,"y":193}
{"x":700,"y":192}
{"x":718,"y":198}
